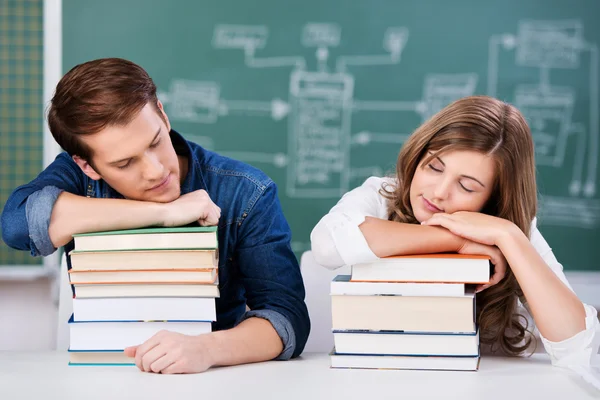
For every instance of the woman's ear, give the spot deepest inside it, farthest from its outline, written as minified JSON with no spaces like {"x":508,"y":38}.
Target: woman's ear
{"x":87,"y":168}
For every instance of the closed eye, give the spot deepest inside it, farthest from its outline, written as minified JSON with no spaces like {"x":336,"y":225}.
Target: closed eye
{"x":434,"y":168}
{"x":155,"y":144}
{"x":465,"y":189}
{"x":124,"y":165}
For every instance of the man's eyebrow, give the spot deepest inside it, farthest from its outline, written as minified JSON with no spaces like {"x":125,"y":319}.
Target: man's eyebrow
{"x":128,"y":158}
{"x":464,"y":176}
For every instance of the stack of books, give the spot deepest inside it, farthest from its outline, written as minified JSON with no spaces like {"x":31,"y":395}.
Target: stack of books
{"x":408,"y":312}
{"x":131,"y":284}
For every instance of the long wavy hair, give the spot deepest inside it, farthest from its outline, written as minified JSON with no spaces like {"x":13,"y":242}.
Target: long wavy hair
{"x":497,"y":129}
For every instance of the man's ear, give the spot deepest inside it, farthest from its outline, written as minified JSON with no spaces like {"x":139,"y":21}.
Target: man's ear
{"x":86,"y":168}
{"x":164,"y":114}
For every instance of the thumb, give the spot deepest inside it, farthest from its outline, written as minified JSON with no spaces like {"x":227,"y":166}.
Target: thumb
{"x":130,"y":351}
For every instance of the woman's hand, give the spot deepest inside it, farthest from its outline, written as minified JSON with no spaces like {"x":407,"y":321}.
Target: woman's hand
{"x":474,"y":226}
{"x":496,"y":258}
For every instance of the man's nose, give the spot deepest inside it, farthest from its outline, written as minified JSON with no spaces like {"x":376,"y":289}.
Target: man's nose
{"x":153,"y":168}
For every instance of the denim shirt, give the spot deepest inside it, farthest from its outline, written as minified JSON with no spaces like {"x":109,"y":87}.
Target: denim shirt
{"x":256,"y":264}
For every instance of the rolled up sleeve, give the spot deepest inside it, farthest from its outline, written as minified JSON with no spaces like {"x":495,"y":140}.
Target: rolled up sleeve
{"x":39,"y":211}
{"x":26,"y":214}
{"x":337,"y":239}
{"x":282,"y":326}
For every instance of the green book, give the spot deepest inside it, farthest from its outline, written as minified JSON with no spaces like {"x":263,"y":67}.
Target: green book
{"x":155,"y":238}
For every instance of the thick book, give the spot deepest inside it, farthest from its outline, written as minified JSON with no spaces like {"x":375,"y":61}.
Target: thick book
{"x":441,"y":268}
{"x":406,"y":344}
{"x":198,"y":275}
{"x":186,"y":238}
{"x":99,"y":358}
{"x":342,"y":284}
{"x":145,"y":309}
{"x":404,"y":313}
{"x":94,"y":290}
{"x":117,"y":335}
{"x":143,"y":259}
{"x":404,"y":362}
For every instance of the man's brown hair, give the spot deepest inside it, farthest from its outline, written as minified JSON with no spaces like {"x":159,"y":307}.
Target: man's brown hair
{"x":95,"y":95}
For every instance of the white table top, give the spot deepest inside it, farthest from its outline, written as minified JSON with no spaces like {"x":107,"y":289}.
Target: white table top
{"x":43,"y":375}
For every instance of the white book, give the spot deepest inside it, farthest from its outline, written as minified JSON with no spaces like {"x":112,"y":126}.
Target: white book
{"x":342,"y":285}
{"x":407,"y":344}
{"x":405,"y":362}
{"x":145,"y":309}
{"x":145,"y":290}
{"x":119,"y":335}
{"x":432,"y":268}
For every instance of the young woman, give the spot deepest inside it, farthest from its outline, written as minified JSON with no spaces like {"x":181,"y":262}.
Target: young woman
{"x":465,"y":182}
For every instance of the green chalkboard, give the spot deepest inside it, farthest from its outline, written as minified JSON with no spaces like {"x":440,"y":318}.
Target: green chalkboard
{"x":21,"y":108}
{"x":321,"y":95}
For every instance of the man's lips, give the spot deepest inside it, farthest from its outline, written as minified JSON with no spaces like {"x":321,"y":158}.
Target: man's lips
{"x":164,"y":182}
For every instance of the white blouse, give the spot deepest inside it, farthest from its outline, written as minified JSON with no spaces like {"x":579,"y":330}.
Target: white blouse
{"x":337,"y":240}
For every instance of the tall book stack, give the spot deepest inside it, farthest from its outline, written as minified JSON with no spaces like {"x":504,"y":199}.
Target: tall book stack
{"x":131,"y":284}
{"x":408,"y":312}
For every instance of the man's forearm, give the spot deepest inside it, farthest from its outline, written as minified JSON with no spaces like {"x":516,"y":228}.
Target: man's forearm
{"x":253,"y":340}
{"x":74,"y":214}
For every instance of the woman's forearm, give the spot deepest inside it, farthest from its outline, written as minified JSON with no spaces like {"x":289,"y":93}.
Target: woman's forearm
{"x":386,"y":238}
{"x":557,"y":311}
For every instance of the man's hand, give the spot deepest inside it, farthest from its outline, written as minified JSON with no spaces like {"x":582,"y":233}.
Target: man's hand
{"x":193,"y":206}
{"x":173,"y":353}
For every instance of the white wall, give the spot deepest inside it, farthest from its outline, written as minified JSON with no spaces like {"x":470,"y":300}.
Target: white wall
{"x":28,"y":315}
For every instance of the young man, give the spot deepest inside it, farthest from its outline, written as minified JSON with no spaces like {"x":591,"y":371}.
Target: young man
{"x":124,"y":167}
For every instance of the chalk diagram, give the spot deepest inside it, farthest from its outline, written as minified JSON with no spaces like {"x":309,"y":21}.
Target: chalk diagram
{"x":548,"y":108}
{"x":319,"y":108}
{"x":321,"y":104}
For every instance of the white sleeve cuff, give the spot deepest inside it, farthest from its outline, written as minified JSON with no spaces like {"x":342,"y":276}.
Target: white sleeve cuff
{"x":348,"y":238}
{"x":579,"y":349}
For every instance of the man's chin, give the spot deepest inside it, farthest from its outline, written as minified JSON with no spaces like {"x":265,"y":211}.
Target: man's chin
{"x":168,"y":197}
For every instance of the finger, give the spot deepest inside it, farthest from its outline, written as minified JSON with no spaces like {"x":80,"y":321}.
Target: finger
{"x":479,"y":288}
{"x":163,"y":362}
{"x":432,"y":221}
{"x":496,"y":278}
{"x":211,"y":217}
{"x":203,"y":222}
{"x":215,"y":215}
{"x":437,"y":218}
{"x":151,"y":356}
{"x":143,"y":349}
{"x":210,"y":220}
{"x":174,"y":368}
{"x":445,"y":222}
{"x":130,"y":351}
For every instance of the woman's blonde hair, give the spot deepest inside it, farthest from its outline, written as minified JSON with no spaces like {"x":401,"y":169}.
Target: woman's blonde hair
{"x":495,"y":128}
